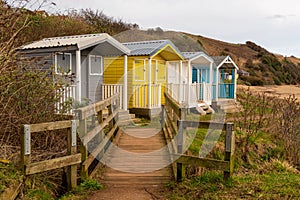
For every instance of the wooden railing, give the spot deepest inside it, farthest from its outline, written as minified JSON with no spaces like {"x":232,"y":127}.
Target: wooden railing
{"x":175,"y":126}
{"x":69,"y":161}
{"x":141,"y":97}
{"x":90,"y":127}
{"x":108,"y":90}
{"x":94,"y":140}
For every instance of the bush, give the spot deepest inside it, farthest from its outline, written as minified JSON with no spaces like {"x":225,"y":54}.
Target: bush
{"x":254,"y":81}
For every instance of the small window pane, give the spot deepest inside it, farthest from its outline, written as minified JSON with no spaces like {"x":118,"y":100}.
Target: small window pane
{"x":96,"y":63}
{"x":139,"y":70}
{"x":161,"y":71}
{"x":63,"y":63}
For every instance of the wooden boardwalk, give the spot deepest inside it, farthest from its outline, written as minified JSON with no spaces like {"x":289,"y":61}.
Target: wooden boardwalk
{"x":139,"y":159}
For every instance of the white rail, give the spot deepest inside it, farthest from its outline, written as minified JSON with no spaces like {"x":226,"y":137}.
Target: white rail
{"x":108,"y":90}
{"x":66,"y":96}
{"x":190,"y":94}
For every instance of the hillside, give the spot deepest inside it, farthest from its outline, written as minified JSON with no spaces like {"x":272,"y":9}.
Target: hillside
{"x":265,"y":68}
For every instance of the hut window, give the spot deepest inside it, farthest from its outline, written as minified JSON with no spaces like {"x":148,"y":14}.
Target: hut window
{"x":160,"y":70}
{"x":96,"y":65}
{"x":63,"y":63}
{"x":139,"y":70}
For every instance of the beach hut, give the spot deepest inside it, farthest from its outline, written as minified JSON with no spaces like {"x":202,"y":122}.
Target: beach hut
{"x":146,"y":75}
{"x":79,"y":59}
{"x":204,"y":79}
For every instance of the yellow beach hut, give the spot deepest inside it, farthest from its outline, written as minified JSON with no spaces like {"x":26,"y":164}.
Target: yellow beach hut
{"x":141,"y":77}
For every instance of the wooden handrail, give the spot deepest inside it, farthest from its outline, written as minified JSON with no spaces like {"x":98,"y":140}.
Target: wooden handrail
{"x":175,"y":126}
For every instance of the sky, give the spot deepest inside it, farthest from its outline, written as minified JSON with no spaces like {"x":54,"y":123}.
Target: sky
{"x":272,"y":24}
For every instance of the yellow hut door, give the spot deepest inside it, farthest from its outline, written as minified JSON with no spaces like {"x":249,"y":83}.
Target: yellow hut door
{"x":160,"y":76}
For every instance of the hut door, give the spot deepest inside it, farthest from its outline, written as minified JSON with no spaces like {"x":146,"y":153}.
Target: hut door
{"x":95,"y":77}
{"x":173,"y":73}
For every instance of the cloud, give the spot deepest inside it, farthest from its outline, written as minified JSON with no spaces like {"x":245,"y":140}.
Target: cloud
{"x":280,"y":16}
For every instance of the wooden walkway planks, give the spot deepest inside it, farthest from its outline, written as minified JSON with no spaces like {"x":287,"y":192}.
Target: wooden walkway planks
{"x":140,"y":159}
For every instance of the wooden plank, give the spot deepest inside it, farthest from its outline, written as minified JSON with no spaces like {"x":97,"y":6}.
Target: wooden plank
{"x":173,"y":104}
{"x":92,"y":109}
{"x":204,"y":124}
{"x":204,"y":162}
{"x":72,"y":149}
{"x":100,"y":147}
{"x":171,"y":148}
{"x":90,"y":135}
{"x":172,"y":140}
{"x":50,"y":126}
{"x":56,"y":163}
{"x":170,"y":122}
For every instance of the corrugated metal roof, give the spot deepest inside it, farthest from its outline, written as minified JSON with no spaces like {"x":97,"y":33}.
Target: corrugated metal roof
{"x":193,"y":56}
{"x":226,"y":60}
{"x":81,"y":41}
{"x":145,"y":48}
{"x":219,"y":59}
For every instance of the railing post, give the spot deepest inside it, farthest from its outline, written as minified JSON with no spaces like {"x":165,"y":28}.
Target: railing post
{"x":72,"y":149}
{"x":180,"y":145}
{"x":25,"y":147}
{"x":83,"y":150}
{"x":163,"y":116}
{"x":100,"y":136}
{"x":229,"y":149}
{"x":110,"y":108}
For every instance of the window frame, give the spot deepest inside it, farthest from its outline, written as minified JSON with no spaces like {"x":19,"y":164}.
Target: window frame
{"x":157,"y":71}
{"x":144,"y":70}
{"x":90,"y":65}
{"x":56,"y":67}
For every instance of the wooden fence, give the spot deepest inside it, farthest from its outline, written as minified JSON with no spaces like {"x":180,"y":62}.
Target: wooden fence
{"x":69,"y":161}
{"x":175,"y":126}
{"x":89,"y":116}
{"x":94,"y":141}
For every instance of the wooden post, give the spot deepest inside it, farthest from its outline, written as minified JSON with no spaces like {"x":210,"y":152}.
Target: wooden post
{"x":163,"y":116}
{"x":25,"y":147}
{"x":72,"y":149}
{"x":229,"y":149}
{"x":100,"y":136}
{"x":110,"y":112}
{"x":83,"y":150}
{"x":180,"y":145}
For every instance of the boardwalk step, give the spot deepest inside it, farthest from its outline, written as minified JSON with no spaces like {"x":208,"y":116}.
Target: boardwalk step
{"x":138,"y":150}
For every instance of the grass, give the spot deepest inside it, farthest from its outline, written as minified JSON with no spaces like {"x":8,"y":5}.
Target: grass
{"x":83,"y":190}
{"x":8,"y":176}
{"x":268,"y":185}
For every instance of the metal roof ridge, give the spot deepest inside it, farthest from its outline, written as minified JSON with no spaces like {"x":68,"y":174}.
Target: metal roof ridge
{"x":146,"y":42}
{"x":74,"y":36}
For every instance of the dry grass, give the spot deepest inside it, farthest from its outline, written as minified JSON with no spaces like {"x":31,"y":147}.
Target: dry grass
{"x":282,"y":91}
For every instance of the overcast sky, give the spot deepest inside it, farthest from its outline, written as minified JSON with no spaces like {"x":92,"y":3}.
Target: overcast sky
{"x":273,"y":24}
